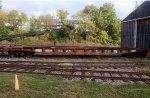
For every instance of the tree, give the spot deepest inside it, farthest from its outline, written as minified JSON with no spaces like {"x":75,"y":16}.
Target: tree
{"x":71,"y":36}
{"x":34,"y":24}
{"x":46,"y":21}
{"x":102,"y":37}
{"x":111,"y":22}
{"x":13,"y":19}
{"x":98,"y":23}
{"x":3,"y":31}
{"x":16,"y":20}
{"x":3,"y":17}
{"x":62,"y":15}
{"x":22,"y":19}
{"x":43,"y":22}
{"x":91,"y":11}
{"x":86,"y":27}
{"x":53,"y":37}
{"x":3,"y":21}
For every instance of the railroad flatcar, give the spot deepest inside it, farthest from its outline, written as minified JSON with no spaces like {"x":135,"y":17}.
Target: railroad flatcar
{"x":21,"y":51}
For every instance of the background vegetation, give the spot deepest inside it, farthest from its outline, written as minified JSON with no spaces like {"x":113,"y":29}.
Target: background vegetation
{"x":93,"y":26}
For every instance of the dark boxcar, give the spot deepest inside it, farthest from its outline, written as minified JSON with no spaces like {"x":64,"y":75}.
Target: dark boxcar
{"x":136,"y":28}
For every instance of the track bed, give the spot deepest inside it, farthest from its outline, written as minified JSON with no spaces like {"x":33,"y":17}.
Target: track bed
{"x":90,"y":71}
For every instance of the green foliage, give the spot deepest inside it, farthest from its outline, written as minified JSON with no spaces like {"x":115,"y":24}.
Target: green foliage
{"x":3,"y":31}
{"x":99,"y":25}
{"x":34,"y":24}
{"x":16,"y":20}
{"x":13,"y":18}
{"x":3,"y":17}
{"x":53,"y":37}
{"x":95,"y":25}
{"x":22,"y":19}
{"x":3,"y":21}
{"x":22,"y":42}
{"x":62,"y":15}
{"x":102,"y":37}
{"x":43,"y":22}
{"x":111,"y":23}
{"x":71,"y":35}
{"x":46,"y":21}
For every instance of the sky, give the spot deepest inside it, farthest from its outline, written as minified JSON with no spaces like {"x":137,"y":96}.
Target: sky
{"x":38,"y":7}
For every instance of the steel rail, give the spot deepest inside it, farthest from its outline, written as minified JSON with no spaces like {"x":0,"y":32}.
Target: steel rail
{"x":75,"y":66}
{"x":146,"y":80}
{"x":78,"y":70}
{"x":46,"y":62}
{"x":64,"y":73}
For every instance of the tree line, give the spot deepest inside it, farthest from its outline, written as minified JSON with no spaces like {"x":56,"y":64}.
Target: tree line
{"x":92,"y":24}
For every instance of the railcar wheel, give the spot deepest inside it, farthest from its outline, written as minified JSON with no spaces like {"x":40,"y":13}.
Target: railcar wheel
{"x":19,"y":54}
{"x":29,"y":54}
{"x":135,"y":54}
{"x":22,"y":54}
{"x":11,"y":54}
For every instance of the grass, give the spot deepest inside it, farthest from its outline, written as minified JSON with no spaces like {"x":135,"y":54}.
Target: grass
{"x":145,"y":69}
{"x":43,"y":86}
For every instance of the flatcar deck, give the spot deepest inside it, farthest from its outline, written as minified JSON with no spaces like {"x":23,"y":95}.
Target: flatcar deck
{"x":73,"y":50}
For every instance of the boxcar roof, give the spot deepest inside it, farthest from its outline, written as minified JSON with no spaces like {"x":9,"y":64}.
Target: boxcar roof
{"x":140,"y":12}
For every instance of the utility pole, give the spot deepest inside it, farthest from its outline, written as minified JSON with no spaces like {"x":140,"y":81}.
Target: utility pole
{"x":136,"y":4}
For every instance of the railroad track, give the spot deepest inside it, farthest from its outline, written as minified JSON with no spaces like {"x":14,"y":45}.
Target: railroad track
{"x":75,"y":63}
{"x":81,"y":70}
{"x":87,"y":65}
